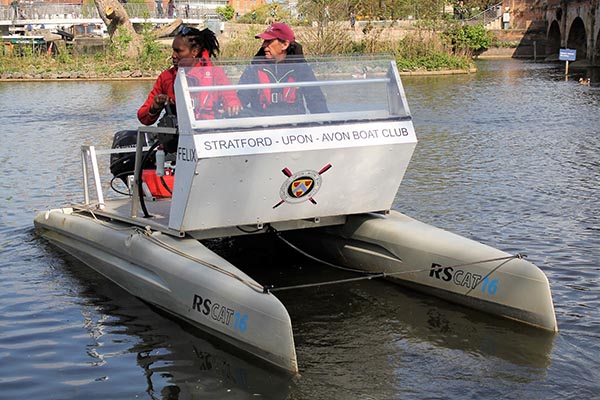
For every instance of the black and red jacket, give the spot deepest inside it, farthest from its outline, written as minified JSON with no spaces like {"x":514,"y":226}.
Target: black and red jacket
{"x":205,"y":103}
{"x":281,"y":101}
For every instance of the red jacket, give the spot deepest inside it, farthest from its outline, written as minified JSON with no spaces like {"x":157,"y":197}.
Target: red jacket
{"x":204,"y":102}
{"x":163,"y":85}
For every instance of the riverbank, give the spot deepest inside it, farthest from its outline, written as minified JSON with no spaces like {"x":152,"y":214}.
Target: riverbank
{"x":417,"y":52}
{"x":77,"y":75}
{"x":140,"y":75}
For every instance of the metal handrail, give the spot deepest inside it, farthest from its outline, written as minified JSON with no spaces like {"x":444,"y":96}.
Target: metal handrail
{"x":89,"y":158}
{"x":89,"y":152}
{"x":491,"y":13}
{"x":58,"y":11}
{"x":295,"y":84}
{"x":293,"y":119}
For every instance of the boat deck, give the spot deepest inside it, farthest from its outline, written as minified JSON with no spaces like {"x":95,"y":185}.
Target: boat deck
{"x":121,"y":210}
{"x":158,"y":209}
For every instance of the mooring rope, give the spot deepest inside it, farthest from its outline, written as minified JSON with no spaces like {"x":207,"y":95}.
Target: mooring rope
{"x":375,"y":275}
{"x":299,"y":250}
{"x":148,"y":234}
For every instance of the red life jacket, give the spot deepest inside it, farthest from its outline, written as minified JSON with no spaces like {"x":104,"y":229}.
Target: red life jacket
{"x":204,"y":101}
{"x":268,"y":97}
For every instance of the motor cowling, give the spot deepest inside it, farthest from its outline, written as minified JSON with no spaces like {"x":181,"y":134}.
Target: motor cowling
{"x":123,"y":164}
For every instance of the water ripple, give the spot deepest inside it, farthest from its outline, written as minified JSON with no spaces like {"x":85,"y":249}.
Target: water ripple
{"x":499,"y":159}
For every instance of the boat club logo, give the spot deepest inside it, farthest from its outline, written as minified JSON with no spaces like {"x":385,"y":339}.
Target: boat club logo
{"x":301,"y":186}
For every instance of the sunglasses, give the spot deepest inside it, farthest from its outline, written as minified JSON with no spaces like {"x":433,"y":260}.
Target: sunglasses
{"x":188,"y":30}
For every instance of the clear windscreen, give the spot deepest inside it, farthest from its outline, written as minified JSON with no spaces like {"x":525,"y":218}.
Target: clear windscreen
{"x":232,"y":94}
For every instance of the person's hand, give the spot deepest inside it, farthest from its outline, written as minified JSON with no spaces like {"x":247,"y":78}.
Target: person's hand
{"x":159,"y":102}
{"x":233,"y":110}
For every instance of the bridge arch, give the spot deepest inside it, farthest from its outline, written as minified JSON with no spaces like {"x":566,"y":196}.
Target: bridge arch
{"x":553,"y":39}
{"x":596,"y":36}
{"x":577,"y":38}
{"x":596,"y":53}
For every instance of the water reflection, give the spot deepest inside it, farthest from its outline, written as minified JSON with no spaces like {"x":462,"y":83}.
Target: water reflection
{"x":412,"y":317}
{"x":179,"y":361}
{"x":376,"y":337}
{"x":584,"y":73}
{"x":348,"y":331}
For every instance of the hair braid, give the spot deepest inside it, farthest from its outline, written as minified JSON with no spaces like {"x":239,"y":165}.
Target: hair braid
{"x":205,"y":40}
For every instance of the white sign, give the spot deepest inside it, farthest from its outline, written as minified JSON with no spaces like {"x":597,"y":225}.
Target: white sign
{"x":567,"y":54}
{"x":297,"y":139}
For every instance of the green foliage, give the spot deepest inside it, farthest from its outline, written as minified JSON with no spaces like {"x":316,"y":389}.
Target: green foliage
{"x":120,"y":42}
{"x":64,"y":58}
{"x":331,"y":38}
{"x":472,"y":38}
{"x":428,"y":9}
{"x":339,"y":10}
{"x":433,"y":62}
{"x":429,"y":52}
{"x":137,"y":7}
{"x":243,"y":45}
{"x":226,"y":12}
{"x":505,"y":44}
{"x":379,"y":10}
{"x":266,"y":13}
{"x":374,"y":41}
{"x":425,"y":49}
{"x":151,"y":49}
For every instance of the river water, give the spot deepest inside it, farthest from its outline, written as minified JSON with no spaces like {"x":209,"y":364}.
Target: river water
{"x":509,"y":156}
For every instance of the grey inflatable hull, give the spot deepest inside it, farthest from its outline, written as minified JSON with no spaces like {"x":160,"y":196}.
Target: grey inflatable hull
{"x":186,"y":279}
{"x":180,"y":276}
{"x":440,"y":263}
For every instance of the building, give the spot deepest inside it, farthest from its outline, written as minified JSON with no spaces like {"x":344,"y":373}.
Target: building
{"x":245,"y":6}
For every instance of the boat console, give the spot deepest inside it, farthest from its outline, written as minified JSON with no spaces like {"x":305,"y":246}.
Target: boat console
{"x":288,"y":170}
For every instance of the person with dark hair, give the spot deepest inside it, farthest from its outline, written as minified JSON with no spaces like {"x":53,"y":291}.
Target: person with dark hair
{"x":192,"y":43}
{"x":159,"y":8}
{"x":280,"y":59}
{"x":15,"y":6}
{"x":171,"y":8}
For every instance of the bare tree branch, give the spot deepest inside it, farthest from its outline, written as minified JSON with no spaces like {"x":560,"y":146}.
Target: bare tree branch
{"x":115,"y":16}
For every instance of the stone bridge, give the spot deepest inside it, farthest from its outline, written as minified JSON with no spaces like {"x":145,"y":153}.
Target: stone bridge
{"x":574,"y":24}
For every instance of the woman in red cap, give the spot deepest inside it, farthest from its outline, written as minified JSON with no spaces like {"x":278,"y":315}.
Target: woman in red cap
{"x":280,"y":59}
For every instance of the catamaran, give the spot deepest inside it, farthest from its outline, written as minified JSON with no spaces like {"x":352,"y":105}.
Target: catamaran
{"x":324,"y":182}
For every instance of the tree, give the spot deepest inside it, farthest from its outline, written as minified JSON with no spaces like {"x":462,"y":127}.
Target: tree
{"x":265,"y":14}
{"x":226,"y":12}
{"x":473,"y":38}
{"x":121,"y":31}
{"x":120,"y":28}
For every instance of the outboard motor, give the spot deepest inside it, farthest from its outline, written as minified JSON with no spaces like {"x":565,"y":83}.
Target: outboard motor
{"x":123,"y":164}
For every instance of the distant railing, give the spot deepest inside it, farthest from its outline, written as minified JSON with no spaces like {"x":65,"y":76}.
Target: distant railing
{"x":45,"y":11}
{"x":490,"y":14}
{"x":48,"y":11}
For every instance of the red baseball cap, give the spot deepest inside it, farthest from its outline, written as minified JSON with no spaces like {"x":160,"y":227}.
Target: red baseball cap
{"x":277,"y":30}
